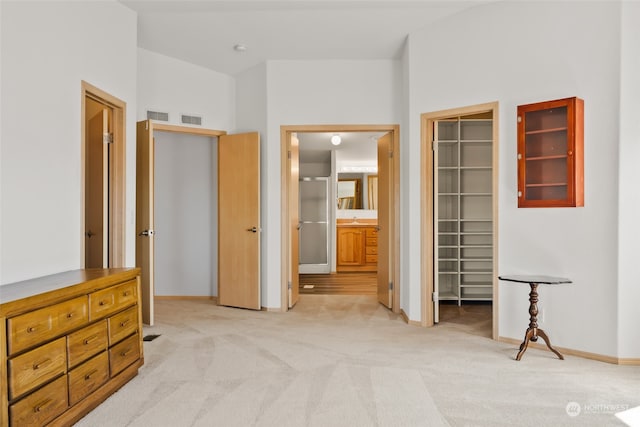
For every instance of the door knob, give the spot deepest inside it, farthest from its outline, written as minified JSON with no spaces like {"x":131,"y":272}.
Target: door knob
{"x":252,"y":229}
{"x":90,"y":234}
{"x":146,"y":233}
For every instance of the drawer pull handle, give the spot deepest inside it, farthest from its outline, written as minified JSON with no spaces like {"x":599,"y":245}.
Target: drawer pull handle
{"x":88,"y":340}
{"x":103,"y":302}
{"x":40,"y":406}
{"x":124,"y":323}
{"x":70,"y":315}
{"x":37,"y":366}
{"x":126,"y":293}
{"x":32,"y":329}
{"x":125,"y":352}
{"x":90,"y":374}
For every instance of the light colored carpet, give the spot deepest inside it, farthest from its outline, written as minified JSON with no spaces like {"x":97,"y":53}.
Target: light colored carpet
{"x":348,"y":361}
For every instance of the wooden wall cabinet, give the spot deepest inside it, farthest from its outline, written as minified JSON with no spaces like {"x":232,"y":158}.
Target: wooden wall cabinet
{"x":550,"y":154}
{"x":67,"y":342}
{"x":357,"y":248}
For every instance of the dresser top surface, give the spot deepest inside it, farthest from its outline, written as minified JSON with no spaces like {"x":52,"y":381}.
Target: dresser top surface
{"x":40,"y":285}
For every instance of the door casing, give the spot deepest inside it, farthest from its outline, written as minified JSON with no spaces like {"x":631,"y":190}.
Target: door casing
{"x":117,"y":174}
{"x":288,"y":268}
{"x":426,"y":212}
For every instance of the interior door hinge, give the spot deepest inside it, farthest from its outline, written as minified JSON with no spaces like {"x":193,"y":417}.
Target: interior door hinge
{"x":435,"y":296}
{"x":146,"y":125}
{"x":107,"y":138}
{"x":288,"y":285}
{"x":390,"y":286}
{"x":289,"y":154}
{"x":391,"y":154}
{"x":434,"y":144}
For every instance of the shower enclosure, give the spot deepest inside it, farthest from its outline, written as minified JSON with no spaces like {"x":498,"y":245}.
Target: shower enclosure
{"x":314,"y":226}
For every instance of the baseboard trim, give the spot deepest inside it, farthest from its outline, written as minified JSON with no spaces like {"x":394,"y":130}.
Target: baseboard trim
{"x":185,"y":297}
{"x":579,"y":353}
{"x":407,"y":320}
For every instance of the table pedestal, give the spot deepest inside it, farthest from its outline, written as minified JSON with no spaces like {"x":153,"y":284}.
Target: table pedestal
{"x":533,"y":332}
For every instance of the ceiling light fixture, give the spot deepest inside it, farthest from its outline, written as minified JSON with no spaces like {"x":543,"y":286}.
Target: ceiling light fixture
{"x":335,"y":139}
{"x":240,"y":48}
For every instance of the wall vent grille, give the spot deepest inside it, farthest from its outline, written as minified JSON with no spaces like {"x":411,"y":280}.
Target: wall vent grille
{"x":157,"y":115}
{"x":191,"y":120}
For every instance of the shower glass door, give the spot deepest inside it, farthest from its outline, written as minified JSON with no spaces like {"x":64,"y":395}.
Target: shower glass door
{"x":314,"y":226}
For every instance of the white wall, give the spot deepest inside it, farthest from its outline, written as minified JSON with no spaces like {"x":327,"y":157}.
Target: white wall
{"x":186,"y":215}
{"x":317,"y":92}
{"x":170,"y":85}
{"x":629,"y":177}
{"x":521,"y":53}
{"x":47,"y":49}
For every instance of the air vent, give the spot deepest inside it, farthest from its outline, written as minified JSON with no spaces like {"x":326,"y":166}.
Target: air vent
{"x":191,"y":120}
{"x":157,"y":115}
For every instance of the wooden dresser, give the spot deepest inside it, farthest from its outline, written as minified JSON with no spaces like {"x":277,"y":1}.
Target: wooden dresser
{"x":68,"y":341}
{"x":357,"y":247}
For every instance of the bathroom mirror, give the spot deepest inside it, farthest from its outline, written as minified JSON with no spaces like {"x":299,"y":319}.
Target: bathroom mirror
{"x":349,"y":193}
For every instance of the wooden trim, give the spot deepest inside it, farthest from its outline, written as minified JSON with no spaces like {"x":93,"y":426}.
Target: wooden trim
{"x":4,"y":395}
{"x":186,"y":298}
{"x":394,"y":235}
{"x":118,"y":174}
{"x":579,"y":353}
{"x":186,"y":129}
{"x":426,"y":206}
{"x":407,"y":320}
{"x":629,"y":362}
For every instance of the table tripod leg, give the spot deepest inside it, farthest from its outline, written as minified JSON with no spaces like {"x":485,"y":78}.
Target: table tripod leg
{"x":525,"y":343}
{"x":544,"y":336}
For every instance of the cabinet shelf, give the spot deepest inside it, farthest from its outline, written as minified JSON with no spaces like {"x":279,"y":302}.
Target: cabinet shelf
{"x":540,"y":131}
{"x":550,"y":184}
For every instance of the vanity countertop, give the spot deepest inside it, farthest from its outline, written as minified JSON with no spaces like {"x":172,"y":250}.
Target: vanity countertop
{"x":360,"y":222}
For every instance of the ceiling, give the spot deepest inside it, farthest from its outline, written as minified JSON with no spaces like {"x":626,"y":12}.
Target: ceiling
{"x":204,"y":32}
{"x":356,"y":148}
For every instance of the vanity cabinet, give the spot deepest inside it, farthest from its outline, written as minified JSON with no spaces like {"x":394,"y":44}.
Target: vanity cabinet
{"x":550,"y":154}
{"x":357,"y":248}
{"x":68,"y":341}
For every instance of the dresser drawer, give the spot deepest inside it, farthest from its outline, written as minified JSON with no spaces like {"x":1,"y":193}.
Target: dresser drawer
{"x":86,"y":343}
{"x":36,"y":367}
{"x":371,"y":250}
{"x":30,"y":329}
{"x":87,"y":377}
{"x":39,"y":408}
{"x":123,"y":324}
{"x":371,"y":232}
{"x":371,"y":259}
{"x":371,"y":241}
{"x":111,"y":300}
{"x":124,"y":354}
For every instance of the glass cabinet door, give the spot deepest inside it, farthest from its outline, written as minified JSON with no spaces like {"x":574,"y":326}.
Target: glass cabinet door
{"x":550,"y":159}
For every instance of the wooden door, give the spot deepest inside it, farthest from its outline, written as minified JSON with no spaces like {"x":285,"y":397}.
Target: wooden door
{"x":239,"y":220}
{"x":96,"y":186}
{"x":294,"y":220}
{"x":385,"y":150}
{"x":144,"y":216}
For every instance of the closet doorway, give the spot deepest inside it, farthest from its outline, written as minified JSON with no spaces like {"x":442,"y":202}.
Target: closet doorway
{"x":197,"y":192}
{"x":460,"y":215}
{"x":103,"y":179}
{"x":385,"y":227}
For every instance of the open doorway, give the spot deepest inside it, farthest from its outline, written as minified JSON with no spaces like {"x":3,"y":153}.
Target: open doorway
{"x":337,"y":217}
{"x":385,"y":227}
{"x":460,"y":218}
{"x":103,"y":179}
